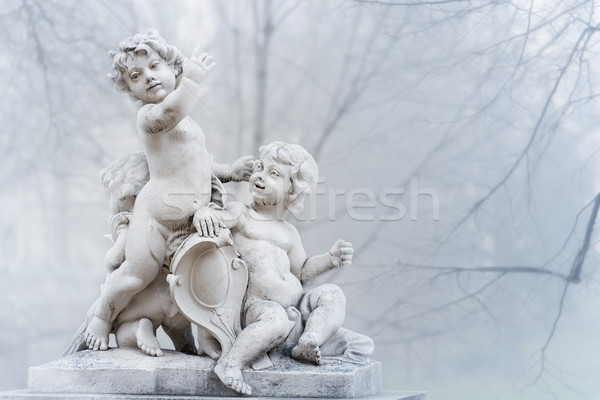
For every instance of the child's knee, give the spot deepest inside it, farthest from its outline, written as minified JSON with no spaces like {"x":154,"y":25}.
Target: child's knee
{"x":279,"y":323}
{"x":132,"y":283}
{"x":139,"y":274}
{"x":328,"y":295}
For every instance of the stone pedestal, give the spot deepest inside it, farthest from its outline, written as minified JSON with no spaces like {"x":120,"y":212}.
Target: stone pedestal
{"x":24,"y":395}
{"x":128,"y":371}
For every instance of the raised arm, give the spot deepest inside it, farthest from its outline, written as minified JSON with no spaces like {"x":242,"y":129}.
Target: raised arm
{"x":340,"y":255}
{"x":239,"y":170}
{"x":164,"y":116}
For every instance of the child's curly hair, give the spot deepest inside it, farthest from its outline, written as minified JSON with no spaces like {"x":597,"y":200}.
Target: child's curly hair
{"x":149,"y":40}
{"x":304,"y":172}
{"x":126,"y":176}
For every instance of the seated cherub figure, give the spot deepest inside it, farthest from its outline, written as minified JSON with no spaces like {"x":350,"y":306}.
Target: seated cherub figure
{"x":278,"y":268}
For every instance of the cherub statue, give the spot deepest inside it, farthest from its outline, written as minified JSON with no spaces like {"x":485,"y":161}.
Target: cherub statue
{"x":279,"y":268}
{"x":168,"y":86}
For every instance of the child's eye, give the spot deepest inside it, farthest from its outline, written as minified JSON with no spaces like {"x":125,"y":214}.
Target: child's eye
{"x":154,"y":65}
{"x":134,"y":75}
{"x":274,"y":174}
{"x":258,"y":167}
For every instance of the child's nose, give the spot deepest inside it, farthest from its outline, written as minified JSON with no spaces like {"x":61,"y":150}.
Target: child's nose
{"x":149,"y":77}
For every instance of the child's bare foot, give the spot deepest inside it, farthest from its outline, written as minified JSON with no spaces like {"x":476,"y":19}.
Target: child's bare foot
{"x":96,"y":334}
{"x":146,"y":340}
{"x":307,"y":350}
{"x":232,"y":378}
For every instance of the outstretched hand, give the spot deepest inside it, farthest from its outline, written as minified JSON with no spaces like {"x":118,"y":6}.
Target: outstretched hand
{"x":241,"y":169}
{"x":207,"y":224}
{"x":341,"y":253}
{"x":198,"y":65}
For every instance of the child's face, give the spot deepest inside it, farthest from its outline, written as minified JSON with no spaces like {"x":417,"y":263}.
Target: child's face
{"x":270,"y":182}
{"x":149,"y":77}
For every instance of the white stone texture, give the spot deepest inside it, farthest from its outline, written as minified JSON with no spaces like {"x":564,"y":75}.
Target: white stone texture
{"x":24,"y":395}
{"x":128,"y":371}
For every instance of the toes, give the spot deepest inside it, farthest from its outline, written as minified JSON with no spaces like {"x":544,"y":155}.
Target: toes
{"x":247,"y":390}
{"x":317,"y":355}
{"x":155,"y":352}
{"x":238,"y":386}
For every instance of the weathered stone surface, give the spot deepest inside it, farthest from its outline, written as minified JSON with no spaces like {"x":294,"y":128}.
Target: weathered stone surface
{"x":24,"y":395}
{"x":128,"y":371}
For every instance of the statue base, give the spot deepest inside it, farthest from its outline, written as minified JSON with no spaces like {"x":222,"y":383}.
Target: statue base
{"x":127,"y":371}
{"x":25,"y":395}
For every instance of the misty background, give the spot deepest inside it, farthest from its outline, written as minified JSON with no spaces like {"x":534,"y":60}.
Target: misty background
{"x":457,"y":143}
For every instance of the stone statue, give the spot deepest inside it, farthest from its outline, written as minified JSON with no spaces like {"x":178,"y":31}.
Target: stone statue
{"x":153,"y":306}
{"x":279,"y":267}
{"x":181,"y":255}
{"x":180,"y":175}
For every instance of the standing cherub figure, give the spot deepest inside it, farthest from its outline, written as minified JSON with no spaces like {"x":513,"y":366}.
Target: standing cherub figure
{"x":278,"y":268}
{"x":136,"y":325}
{"x":168,"y":86}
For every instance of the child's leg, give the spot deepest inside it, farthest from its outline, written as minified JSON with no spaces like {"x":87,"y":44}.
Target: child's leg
{"x":267,"y":325}
{"x":326,"y":306}
{"x":125,"y":334}
{"x":145,"y":253}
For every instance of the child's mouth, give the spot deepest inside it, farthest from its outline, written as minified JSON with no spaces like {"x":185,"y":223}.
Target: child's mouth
{"x":153,"y":85}
{"x":259,"y":186}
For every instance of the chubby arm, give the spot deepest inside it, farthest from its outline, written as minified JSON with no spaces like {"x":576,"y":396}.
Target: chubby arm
{"x":208,"y":221}
{"x":164,"y":116}
{"x":308,"y":269}
{"x":239,"y":170}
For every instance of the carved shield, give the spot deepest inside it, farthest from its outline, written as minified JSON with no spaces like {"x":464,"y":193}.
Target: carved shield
{"x":208,"y":281}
